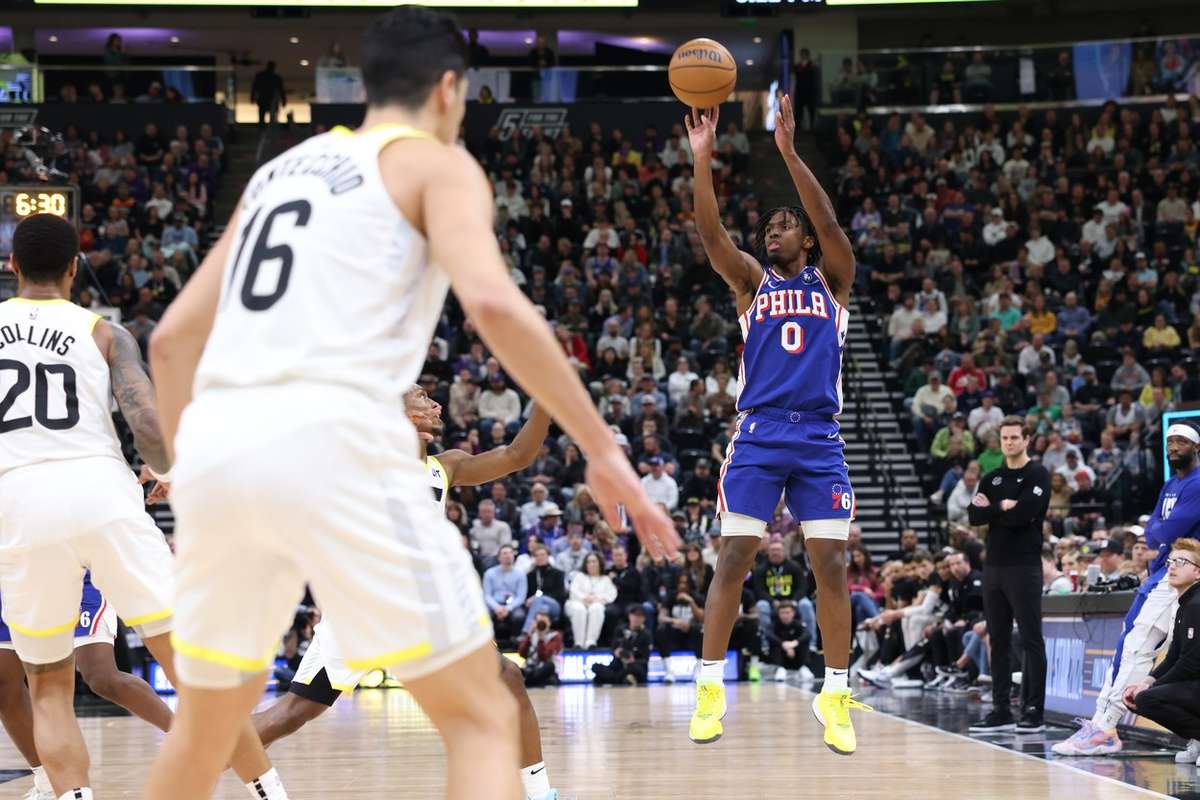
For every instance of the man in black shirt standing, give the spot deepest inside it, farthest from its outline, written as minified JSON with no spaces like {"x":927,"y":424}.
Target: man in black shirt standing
{"x":1012,"y":502}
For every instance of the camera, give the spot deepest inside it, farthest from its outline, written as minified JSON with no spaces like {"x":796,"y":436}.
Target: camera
{"x":1122,"y":583}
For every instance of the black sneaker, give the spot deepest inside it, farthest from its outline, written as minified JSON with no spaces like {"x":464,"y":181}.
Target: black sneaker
{"x":1031,"y":722}
{"x":960,"y":685}
{"x":996,"y":722}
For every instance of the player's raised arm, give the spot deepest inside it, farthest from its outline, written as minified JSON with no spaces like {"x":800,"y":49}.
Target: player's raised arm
{"x":457,"y":214}
{"x":739,"y":269}
{"x":837,"y":263}
{"x":471,"y":470}
{"x":179,"y":338}
{"x":134,"y":394}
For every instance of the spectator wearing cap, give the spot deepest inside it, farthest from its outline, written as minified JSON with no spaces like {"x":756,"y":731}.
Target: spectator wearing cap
{"x":1110,"y":556}
{"x":659,"y":486}
{"x":531,"y":512}
{"x":549,"y":527}
{"x":1074,"y":468}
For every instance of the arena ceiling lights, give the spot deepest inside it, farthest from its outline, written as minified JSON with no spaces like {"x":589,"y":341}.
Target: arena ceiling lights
{"x":506,"y":4}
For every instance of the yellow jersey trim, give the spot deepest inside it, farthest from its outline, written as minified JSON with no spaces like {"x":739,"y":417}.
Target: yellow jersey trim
{"x":396,"y":657}
{"x":91,"y":328}
{"x":144,"y":618}
{"x":45,"y":633}
{"x":390,"y":131}
{"x":53,"y":301}
{"x":223,"y":659}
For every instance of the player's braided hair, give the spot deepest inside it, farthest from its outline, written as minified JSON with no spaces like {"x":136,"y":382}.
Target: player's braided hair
{"x":760,"y":231}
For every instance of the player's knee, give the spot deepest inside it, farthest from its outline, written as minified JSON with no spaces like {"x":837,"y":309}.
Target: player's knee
{"x":104,"y":683}
{"x":298,"y":712}
{"x":512,"y":678}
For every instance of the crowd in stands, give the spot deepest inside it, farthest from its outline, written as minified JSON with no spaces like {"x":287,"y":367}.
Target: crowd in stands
{"x":1037,"y":264}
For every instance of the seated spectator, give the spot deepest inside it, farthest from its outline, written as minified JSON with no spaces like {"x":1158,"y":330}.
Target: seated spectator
{"x":546,"y":588}
{"x":631,"y":653}
{"x":591,"y":592}
{"x":540,"y":646}
{"x":659,"y":486}
{"x":532,"y":511}
{"x":570,"y":559}
{"x":489,"y":534}
{"x":780,"y":578}
{"x":789,"y":643}
{"x":680,"y":622}
{"x":1161,"y":340}
{"x":504,"y":590}
{"x":1130,"y":376}
{"x":960,"y":498}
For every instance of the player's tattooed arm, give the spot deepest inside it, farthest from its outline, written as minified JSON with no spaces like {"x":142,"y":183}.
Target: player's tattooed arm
{"x":135,"y":397}
{"x":469,"y":470}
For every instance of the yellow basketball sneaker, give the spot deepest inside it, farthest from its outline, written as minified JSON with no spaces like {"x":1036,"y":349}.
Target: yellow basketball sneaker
{"x":710,"y":710}
{"x":832,"y":709}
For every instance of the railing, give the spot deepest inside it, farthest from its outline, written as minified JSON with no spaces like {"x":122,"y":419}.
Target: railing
{"x":72,"y":82}
{"x":1057,"y":72}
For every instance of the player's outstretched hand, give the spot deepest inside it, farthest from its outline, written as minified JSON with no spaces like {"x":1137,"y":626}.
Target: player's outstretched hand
{"x":159,"y":492}
{"x":785,"y":127}
{"x":613,"y":484}
{"x":701,"y":127}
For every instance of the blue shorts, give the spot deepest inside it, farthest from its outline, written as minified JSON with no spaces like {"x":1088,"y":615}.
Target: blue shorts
{"x":793,"y":454}
{"x":91,"y":612}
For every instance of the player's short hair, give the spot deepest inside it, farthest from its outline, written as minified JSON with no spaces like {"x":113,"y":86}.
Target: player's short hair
{"x":44,"y":245}
{"x":1188,"y":545}
{"x":1013,"y":419}
{"x":759,"y":239}
{"x":406,"y":52}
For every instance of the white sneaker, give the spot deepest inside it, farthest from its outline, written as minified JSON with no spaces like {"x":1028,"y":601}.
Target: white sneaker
{"x":34,"y":794}
{"x":876,"y":677}
{"x":806,"y":675}
{"x":1190,"y":755}
{"x":668,"y":678}
{"x":781,"y":674}
{"x":908,"y":683}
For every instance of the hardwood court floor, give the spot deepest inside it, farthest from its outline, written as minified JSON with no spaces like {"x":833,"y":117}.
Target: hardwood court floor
{"x":623,"y":744}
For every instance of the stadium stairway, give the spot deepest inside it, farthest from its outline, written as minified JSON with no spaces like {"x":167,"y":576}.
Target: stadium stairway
{"x":887,"y":485}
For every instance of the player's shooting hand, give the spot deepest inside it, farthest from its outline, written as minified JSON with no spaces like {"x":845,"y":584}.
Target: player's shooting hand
{"x":701,"y":127}
{"x":785,"y":127}
{"x":613,"y":483}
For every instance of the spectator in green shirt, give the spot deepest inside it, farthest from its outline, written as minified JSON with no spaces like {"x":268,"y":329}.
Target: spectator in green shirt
{"x":991,"y":458}
{"x":1008,"y":314}
{"x":1043,"y":415}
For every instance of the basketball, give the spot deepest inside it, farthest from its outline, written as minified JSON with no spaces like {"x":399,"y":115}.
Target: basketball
{"x":702,"y":73}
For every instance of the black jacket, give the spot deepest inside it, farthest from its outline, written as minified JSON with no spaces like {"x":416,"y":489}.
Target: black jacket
{"x":964,"y":599}
{"x":1015,"y":536}
{"x":635,"y":643}
{"x":1182,"y":662}
{"x":630,"y":588}
{"x":784,"y":581}
{"x":792,"y":632}
{"x":550,"y":579}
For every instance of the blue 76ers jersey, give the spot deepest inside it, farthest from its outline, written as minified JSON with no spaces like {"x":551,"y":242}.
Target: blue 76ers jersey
{"x":1176,"y":515}
{"x":794,"y":333}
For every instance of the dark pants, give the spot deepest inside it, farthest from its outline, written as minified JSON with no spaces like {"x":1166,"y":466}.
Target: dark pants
{"x":539,"y":673}
{"x":670,"y":639}
{"x":615,"y":673}
{"x":1015,"y":593}
{"x":781,"y":659}
{"x":945,"y":646}
{"x":1175,"y":706}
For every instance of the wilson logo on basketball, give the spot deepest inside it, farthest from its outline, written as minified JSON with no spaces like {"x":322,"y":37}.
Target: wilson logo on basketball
{"x":704,"y":54}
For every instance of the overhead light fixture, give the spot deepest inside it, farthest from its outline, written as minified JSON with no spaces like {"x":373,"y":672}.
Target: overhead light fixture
{"x":174,"y":40}
{"x":528,"y":40}
{"x":304,"y":62}
{"x":53,"y":39}
{"x":294,"y":40}
{"x":749,"y":62}
{"x":758,"y":40}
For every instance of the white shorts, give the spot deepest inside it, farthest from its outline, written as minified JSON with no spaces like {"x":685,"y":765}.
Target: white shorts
{"x":324,"y":653}
{"x":48,"y":540}
{"x":341,"y":503}
{"x":101,"y":630}
{"x":741,"y":525}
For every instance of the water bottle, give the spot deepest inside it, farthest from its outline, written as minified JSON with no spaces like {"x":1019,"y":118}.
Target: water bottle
{"x":1093,"y":574}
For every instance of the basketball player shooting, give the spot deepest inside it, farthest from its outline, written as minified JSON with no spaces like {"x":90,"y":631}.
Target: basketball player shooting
{"x":323,"y":674}
{"x":290,"y":348}
{"x":793,"y":316}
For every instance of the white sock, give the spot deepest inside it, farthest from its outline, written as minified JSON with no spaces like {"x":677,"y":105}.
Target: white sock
{"x":82,"y":793}
{"x":835,"y":680}
{"x":41,"y":782}
{"x":712,"y":671}
{"x":267,"y":786}
{"x":536,"y":780}
{"x":1108,"y":718}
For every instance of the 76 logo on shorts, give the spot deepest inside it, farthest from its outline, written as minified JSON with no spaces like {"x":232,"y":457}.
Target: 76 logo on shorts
{"x":842,"y":499}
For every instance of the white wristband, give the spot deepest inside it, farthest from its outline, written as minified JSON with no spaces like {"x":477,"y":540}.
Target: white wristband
{"x":164,"y":478}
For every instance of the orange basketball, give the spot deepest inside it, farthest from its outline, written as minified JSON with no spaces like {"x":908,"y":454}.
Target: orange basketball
{"x":702,"y":73}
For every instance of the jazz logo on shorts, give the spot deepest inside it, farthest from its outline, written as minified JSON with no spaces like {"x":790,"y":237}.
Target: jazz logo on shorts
{"x":841,"y":498}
